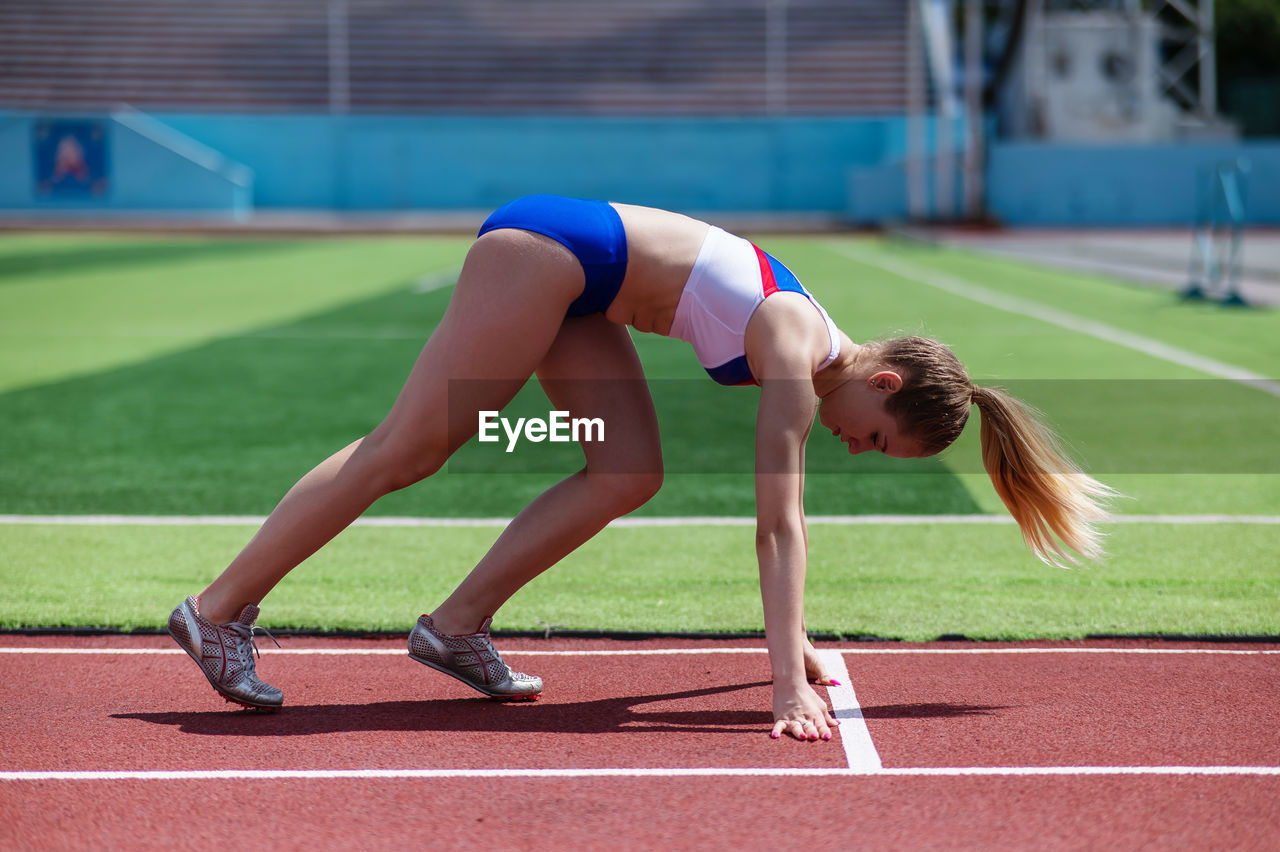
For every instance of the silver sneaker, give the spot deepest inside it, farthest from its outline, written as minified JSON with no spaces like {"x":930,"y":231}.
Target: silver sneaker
{"x":472,"y":659}
{"x":224,"y":653}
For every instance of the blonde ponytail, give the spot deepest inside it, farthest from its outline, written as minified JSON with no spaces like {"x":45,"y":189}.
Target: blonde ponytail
{"x":1047,"y":494}
{"x":1045,"y":491}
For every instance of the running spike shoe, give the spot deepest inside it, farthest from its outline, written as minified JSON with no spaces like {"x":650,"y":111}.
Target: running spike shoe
{"x":225,"y":654}
{"x":472,"y":659}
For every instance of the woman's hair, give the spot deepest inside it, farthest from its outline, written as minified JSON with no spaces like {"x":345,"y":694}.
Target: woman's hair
{"x":1044,"y":490}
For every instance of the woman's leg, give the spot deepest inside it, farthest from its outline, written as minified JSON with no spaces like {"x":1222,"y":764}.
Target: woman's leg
{"x":504,"y":315}
{"x":591,"y":370}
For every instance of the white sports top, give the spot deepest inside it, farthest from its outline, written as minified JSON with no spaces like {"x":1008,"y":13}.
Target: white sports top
{"x":729,"y":280}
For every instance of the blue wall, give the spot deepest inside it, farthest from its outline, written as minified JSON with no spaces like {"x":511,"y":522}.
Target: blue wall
{"x":1046,"y":184}
{"x":372,"y":163}
{"x":397,"y":163}
{"x":850,"y":167}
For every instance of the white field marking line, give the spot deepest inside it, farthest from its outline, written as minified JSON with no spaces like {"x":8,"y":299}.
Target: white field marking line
{"x":340,"y":334}
{"x":437,"y":280}
{"x":859,"y":751}
{"x":693,"y":521}
{"x":649,"y":652}
{"x":1054,"y":316}
{"x":426,"y":284}
{"x":630,"y":772}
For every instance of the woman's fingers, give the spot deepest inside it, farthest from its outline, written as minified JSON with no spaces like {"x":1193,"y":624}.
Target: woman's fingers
{"x":804,"y":729}
{"x":799,"y":711}
{"x":813,"y":668}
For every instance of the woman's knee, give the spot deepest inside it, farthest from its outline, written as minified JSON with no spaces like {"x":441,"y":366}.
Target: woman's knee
{"x":647,"y":487}
{"x":626,"y":492}
{"x":390,"y":464}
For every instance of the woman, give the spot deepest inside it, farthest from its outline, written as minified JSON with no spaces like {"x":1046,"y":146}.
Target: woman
{"x":548,"y":289}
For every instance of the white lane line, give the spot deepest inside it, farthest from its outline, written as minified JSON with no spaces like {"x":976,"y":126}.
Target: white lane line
{"x":859,"y":751}
{"x":711,"y":520}
{"x":396,"y":652}
{"x":630,"y":772}
{"x":1054,"y":316}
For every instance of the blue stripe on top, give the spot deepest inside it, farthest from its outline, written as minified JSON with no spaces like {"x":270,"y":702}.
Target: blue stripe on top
{"x":735,"y":372}
{"x":785,"y":278}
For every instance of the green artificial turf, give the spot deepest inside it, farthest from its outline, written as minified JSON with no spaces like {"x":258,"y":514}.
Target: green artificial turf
{"x":203,"y":376}
{"x":901,"y":582}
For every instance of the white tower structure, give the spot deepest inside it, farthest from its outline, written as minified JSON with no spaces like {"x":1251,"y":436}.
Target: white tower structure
{"x":1117,"y":70}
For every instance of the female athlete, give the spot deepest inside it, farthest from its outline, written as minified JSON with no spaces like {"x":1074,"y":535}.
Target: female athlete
{"x":548,"y":289}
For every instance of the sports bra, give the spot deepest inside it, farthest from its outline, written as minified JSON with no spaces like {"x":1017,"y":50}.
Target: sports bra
{"x":729,"y":280}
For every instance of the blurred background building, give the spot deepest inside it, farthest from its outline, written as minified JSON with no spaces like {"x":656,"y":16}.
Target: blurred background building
{"x":804,"y":112}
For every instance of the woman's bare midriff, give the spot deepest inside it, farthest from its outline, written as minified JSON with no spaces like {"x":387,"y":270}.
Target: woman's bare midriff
{"x":661,"y":250}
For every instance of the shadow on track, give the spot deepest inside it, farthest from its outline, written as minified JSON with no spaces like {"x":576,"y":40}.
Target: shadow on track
{"x":608,"y":715}
{"x":930,"y":710}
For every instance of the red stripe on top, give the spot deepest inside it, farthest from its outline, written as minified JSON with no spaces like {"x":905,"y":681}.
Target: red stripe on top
{"x":766,"y":272}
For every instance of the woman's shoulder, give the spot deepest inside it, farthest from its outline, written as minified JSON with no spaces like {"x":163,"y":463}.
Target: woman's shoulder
{"x":786,"y":337}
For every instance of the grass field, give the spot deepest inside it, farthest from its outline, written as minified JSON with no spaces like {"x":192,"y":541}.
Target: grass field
{"x":181,"y":376}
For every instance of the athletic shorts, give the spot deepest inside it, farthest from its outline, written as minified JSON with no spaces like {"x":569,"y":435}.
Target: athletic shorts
{"x":591,"y":230}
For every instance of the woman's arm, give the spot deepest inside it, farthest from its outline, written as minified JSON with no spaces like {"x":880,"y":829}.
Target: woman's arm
{"x":786,"y":340}
{"x":814,"y":669}
{"x":786,"y":410}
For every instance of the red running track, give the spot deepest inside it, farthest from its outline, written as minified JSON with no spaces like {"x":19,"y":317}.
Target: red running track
{"x":1103,"y":722}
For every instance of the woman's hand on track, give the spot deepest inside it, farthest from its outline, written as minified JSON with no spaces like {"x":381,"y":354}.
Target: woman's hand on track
{"x":799,"y":711}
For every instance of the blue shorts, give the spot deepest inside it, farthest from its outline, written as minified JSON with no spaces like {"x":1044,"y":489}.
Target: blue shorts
{"x":591,"y":230}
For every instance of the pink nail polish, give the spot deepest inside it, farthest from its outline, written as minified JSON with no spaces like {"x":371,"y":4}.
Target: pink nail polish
{"x":835,"y":682}
{"x":774,"y":735}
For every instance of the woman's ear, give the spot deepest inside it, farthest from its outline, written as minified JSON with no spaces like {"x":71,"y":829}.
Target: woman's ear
{"x":885,"y":381}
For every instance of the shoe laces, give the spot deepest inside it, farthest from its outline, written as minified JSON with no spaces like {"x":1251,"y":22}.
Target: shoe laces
{"x":481,"y":645}
{"x":246,"y":646}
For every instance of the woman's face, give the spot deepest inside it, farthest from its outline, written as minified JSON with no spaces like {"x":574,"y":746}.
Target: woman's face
{"x":855,"y":413}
